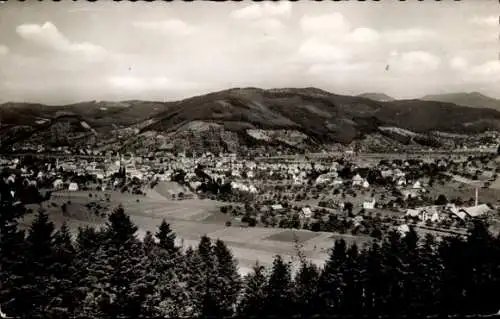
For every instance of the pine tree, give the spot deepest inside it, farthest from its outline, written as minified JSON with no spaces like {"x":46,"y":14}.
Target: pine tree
{"x":394,"y":272}
{"x":331,"y":281}
{"x":63,"y":301}
{"x":456,"y":264}
{"x":374,"y":283}
{"x":305,"y":290}
{"x":353,"y":288}
{"x":278,"y":290}
{"x":254,"y":294}
{"x":427,"y":279}
{"x":116,"y":271}
{"x":36,"y":291}
{"x":166,"y":237}
{"x":228,"y":281}
{"x":148,"y":243}
{"x":12,"y":261}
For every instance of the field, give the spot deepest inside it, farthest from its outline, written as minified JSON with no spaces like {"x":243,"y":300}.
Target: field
{"x":464,"y":191}
{"x":291,"y":236}
{"x":190,"y":219}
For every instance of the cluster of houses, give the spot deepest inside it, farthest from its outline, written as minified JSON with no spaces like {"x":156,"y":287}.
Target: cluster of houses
{"x":437,"y":213}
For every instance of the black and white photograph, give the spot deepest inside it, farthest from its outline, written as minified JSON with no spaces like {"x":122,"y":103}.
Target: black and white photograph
{"x":240,"y":159}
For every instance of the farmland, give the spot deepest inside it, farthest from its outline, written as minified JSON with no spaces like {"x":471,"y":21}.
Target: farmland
{"x":190,"y":219}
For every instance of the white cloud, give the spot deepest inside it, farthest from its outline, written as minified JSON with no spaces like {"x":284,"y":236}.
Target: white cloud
{"x":259,"y":11}
{"x":408,"y":35}
{"x":315,"y":50}
{"x":458,"y":63}
{"x":4,"y":50}
{"x":491,"y":21}
{"x":149,"y":83}
{"x":47,"y":35}
{"x":363,"y":35}
{"x":171,"y":26}
{"x":268,"y":25}
{"x":325,"y":24}
{"x":415,"y":62}
{"x":488,"y":70}
{"x":321,"y":69}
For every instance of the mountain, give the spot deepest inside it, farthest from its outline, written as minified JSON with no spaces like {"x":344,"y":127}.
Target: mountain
{"x":472,"y":99}
{"x":381,"y":97}
{"x":249,"y":118}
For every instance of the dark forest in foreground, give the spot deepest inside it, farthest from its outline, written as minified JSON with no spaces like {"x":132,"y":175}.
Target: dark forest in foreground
{"x":110,"y":273}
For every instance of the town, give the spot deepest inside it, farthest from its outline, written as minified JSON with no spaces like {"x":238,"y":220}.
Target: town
{"x":278,"y":201}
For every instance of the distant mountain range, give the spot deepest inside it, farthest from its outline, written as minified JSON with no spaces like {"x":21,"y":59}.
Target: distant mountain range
{"x":244,"y":118}
{"x":472,"y":99}
{"x":381,"y":97}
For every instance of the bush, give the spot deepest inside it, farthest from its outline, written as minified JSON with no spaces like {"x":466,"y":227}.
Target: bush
{"x":228,"y":223}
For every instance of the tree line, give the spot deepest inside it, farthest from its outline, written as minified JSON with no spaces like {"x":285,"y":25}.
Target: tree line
{"x":110,"y":273}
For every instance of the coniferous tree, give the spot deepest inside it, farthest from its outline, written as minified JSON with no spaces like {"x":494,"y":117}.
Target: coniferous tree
{"x":254,"y":294}
{"x":427,"y":279}
{"x":331,"y":281}
{"x":118,"y":268}
{"x":148,"y":243}
{"x":228,"y":280}
{"x":373,"y":281}
{"x":353,"y":287}
{"x":305,"y":290}
{"x":12,"y":261}
{"x":278,"y":290}
{"x":166,"y":237}
{"x":63,"y":268}
{"x":36,"y":289}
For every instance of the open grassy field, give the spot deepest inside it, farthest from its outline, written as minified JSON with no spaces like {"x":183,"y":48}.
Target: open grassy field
{"x":290,"y":236}
{"x":191,"y":219}
{"x":456,"y":189}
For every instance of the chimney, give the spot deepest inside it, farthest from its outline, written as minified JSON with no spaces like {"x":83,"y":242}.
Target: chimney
{"x":477,"y":195}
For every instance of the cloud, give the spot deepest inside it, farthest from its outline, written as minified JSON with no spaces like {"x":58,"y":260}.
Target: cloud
{"x":315,"y":50}
{"x":321,"y":69}
{"x":408,"y":35}
{"x":47,"y":35}
{"x":487,"y":70}
{"x":149,"y":83}
{"x":268,"y":25}
{"x":171,"y":26}
{"x":414,"y":62}
{"x":4,"y":50}
{"x":325,"y":24}
{"x":490,"y":21}
{"x":265,"y":10}
{"x":458,"y":63}
{"x":363,"y":35}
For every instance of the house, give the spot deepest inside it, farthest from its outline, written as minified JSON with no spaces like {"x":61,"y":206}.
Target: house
{"x":424,"y":213}
{"x":357,"y":180}
{"x":73,"y":187}
{"x":57,"y":184}
{"x":306,"y":212}
{"x":366,"y":184}
{"x":337,"y":181}
{"x":417,"y":185}
{"x":357,"y":220}
{"x":403,"y":229}
{"x":454,"y":211}
{"x":369,"y":205}
{"x":476,"y":211}
{"x":277,"y":207}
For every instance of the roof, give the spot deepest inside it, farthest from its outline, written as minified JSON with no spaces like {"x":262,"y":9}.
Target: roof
{"x":476,"y":211}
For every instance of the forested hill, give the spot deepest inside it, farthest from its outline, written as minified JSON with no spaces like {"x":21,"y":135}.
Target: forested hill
{"x":110,"y":273}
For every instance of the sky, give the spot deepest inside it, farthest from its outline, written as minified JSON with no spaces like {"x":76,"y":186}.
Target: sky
{"x":58,"y":53}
